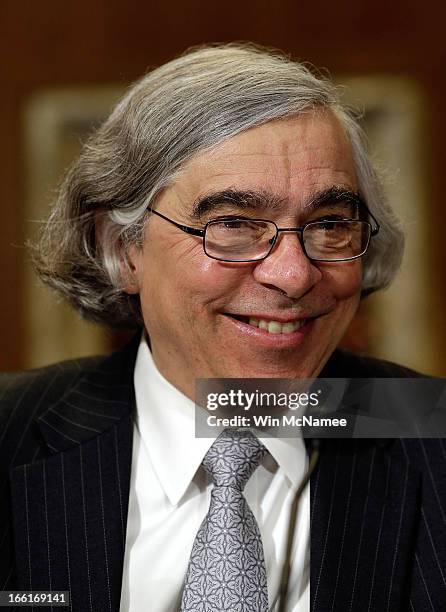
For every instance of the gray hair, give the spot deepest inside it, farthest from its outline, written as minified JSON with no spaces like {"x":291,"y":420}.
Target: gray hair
{"x":192,"y":103}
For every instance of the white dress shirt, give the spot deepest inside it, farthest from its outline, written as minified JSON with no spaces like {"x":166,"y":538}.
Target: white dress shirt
{"x":170,"y":494}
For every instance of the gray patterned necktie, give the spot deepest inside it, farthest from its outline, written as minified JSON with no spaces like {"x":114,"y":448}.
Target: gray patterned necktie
{"x":227,"y":566}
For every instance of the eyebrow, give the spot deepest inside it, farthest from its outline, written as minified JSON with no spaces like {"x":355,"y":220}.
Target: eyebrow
{"x":335,"y":194}
{"x":263,"y":200}
{"x":239,"y":198}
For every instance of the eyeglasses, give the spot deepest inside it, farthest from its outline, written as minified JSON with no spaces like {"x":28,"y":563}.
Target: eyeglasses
{"x":240,"y":239}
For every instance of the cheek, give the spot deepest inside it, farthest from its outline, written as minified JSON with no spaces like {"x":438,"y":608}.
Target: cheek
{"x":208,"y":285}
{"x":182,"y":280}
{"x":344,"y":280}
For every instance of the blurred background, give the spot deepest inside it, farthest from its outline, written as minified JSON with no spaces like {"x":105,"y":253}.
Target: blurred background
{"x":64,"y":64}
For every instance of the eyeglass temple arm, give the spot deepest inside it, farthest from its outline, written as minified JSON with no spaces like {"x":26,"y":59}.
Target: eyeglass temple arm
{"x":184,"y":228}
{"x":375,"y":229}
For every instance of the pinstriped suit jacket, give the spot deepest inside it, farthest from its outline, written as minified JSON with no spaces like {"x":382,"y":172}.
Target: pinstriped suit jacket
{"x":378,"y":510}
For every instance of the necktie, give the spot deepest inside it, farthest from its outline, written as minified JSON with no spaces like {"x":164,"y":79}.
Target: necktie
{"x":226,"y":570}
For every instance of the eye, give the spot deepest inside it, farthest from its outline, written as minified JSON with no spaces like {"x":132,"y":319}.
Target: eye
{"x":333,"y":218}
{"x":234,"y":223}
{"x":230,"y":218}
{"x":329,"y":225}
{"x":334,"y":211}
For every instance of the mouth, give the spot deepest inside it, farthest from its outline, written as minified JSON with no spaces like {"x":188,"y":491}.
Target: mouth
{"x":272,"y":326}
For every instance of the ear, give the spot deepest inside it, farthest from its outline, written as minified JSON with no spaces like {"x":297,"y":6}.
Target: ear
{"x":131,"y":269}
{"x":130,"y":258}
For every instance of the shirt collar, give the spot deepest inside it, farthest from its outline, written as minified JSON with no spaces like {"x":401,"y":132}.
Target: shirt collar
{"x":290,"y":455}
{"x":166,"y":422}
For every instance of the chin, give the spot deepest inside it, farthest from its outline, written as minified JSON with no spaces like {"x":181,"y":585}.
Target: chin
{"x":269,"y":369}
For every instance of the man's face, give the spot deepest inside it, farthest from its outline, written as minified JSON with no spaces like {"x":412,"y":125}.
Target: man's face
{"x":196,"y":309}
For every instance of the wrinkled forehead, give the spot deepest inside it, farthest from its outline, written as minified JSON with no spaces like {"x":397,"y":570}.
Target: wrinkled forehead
{"x":291,"y":159}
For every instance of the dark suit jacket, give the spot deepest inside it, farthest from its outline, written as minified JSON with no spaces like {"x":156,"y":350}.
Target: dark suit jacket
{"x":378,"y":508}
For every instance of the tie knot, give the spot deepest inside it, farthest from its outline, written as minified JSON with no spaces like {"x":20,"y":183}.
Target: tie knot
{"x":233,"y":457}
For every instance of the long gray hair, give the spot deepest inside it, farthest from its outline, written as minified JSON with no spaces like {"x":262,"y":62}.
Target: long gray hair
{"x":187,"y":105}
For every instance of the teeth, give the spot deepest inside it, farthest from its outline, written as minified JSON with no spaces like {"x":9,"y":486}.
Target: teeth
{"x":275,"y":327}
{"x":288,"y":328}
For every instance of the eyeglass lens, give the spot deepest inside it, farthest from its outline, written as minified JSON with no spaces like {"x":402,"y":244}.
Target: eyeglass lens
{"x":250,"y":240}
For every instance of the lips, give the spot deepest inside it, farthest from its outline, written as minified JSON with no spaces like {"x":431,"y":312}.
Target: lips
{"x":270,"y":325}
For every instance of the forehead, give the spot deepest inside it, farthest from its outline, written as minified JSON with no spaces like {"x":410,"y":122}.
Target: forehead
{"x":291,"y":158}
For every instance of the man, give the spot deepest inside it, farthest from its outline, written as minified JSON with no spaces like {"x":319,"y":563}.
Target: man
{"x":227,"y":207}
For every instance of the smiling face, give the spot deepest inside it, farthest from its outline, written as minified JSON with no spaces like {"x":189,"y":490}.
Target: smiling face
{"x":280,"y":317}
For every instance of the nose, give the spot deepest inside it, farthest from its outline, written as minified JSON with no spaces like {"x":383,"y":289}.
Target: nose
{"x":287,"y":268}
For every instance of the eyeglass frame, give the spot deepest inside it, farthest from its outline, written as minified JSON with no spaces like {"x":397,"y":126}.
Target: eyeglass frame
{"x":299,"y":230}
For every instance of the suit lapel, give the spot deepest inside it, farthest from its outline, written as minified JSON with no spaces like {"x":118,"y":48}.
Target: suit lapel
{"x":70,"y":510}
{"x":364,"y":509}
